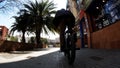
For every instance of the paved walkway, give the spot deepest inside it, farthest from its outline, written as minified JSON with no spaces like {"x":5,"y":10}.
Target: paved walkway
{"x":52,"y":58}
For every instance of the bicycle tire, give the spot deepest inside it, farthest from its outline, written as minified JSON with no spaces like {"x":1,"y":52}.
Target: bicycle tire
{"x":70,"y":51}
{"x":72,"y":54}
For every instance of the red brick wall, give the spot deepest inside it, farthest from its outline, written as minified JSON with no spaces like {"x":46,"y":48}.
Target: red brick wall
{"x":107,"y":38}
{"x":4,"y":32}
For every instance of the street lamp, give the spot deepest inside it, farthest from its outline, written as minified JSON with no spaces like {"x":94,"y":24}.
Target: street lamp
{"x":103,"y":1}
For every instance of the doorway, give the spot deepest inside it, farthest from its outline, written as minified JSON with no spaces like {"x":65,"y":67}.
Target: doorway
{"x":83,"y":33}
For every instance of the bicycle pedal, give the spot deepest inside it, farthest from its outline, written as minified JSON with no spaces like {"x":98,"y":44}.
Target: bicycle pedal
{"x":77,"y":48}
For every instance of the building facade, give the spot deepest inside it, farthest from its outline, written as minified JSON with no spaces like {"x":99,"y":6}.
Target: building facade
{"x":99,"y":22}
{"x":3,"y":32}
{"x":71,"y":5}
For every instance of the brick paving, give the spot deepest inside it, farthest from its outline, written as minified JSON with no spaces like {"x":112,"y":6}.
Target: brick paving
{"x":52,"y":58}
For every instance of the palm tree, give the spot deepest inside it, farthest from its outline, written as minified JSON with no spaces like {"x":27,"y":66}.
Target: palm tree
{"x":20,"y":24}
{"x":41,"y":15}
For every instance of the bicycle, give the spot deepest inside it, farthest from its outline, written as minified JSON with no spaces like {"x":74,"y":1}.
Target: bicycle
{"x":70,"y":46}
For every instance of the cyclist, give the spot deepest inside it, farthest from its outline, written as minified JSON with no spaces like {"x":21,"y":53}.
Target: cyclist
{"x":63,"y":19}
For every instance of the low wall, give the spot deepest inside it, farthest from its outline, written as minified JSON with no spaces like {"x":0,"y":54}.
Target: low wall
{"x":107,"y":38}
{"x":6,"y":46}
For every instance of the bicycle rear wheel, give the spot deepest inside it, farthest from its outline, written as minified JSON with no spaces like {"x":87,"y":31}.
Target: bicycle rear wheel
{"x":70,"y":49}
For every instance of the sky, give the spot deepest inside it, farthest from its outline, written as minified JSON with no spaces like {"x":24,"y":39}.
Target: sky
{"x":7,"y":20}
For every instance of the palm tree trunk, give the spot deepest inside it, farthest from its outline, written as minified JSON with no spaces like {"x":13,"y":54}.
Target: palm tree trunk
{"x":38,"y":37}
{"x":38,"y":31}
{"x":23,"y":36}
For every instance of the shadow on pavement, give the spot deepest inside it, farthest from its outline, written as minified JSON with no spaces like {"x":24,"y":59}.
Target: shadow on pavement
{"x":85,"y":58}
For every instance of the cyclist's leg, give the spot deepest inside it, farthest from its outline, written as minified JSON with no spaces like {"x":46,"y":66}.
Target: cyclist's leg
{"x":62,"y":35}
{"x":71,"y":25}
{"x":73,"y":40}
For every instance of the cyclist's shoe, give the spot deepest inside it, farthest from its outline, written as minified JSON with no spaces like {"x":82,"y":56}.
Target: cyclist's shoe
{"x":62,"y":49}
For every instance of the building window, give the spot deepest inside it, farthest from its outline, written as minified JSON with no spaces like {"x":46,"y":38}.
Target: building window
{"x":112,"y":8}
{"x":109,"y":14}
{"x":102,"y":22}
{"x":79,"y":4}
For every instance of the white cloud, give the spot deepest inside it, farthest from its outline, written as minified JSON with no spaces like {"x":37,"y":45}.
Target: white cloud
{"x":60,"y":4}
